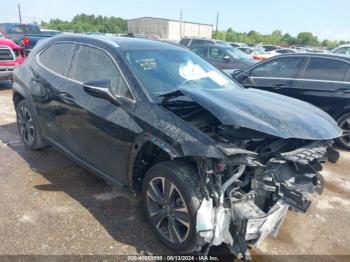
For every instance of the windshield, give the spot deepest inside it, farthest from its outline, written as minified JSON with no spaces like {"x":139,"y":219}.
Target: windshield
{"x":165,"y":71}
{"x":236,"y":53}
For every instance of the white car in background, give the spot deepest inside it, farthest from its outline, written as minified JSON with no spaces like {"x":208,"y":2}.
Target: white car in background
{"x":276,"y":52}
{"x":342,"y":50}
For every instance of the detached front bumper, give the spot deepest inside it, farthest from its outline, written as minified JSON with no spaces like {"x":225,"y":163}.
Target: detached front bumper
{"x":214,"y":224}
{"x":259,"y":225}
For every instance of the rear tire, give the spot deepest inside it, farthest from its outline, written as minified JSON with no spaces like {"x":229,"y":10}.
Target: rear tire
{"x":171,"y":199}
{"x":28,"y":127}
{"x":344,"y":124}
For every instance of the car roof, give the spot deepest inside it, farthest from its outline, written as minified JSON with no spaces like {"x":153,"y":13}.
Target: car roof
{"x":23,"y":24}
{"x":345,"y":45}
{"x":320,"y":55}
{"x":212,"y":45}
{"x":123,"y":43}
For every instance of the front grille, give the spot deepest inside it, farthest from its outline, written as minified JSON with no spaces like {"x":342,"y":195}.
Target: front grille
{"x":6,"y":55}
{"x":7,"y":69}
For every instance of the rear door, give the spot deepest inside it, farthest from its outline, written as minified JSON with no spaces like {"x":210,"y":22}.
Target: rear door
{"x":98,"y":132}
{"x":276,"y":75}
{"x":47,"y":85}
{"x":322,"y":84}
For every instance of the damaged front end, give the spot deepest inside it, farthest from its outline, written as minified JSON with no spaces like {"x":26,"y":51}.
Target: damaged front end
{"x":248,"y":194}
{"x":272,"y":149}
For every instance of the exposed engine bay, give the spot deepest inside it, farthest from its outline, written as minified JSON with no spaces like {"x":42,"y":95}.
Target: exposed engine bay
{"x":248,"y":193}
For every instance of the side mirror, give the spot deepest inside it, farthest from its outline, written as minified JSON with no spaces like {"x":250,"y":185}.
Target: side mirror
{"x":227,"y":58}
{"x":236,"y":73}
{"x":100,"y":88}
{"x":241,"y":76}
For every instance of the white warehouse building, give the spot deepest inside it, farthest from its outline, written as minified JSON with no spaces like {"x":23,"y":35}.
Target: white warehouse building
{"x":168,"y":29}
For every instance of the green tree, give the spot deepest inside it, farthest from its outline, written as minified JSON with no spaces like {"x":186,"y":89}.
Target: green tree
{"x":84,"y":23}
{"x":307,"y":38}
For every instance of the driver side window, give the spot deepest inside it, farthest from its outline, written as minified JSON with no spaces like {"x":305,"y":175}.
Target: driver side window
{"x":282,"y":67}
{"x":94,"y":64}
{"x":216,"y":53}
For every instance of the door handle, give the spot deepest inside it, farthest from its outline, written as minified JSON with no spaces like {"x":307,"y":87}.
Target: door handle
{"x":67,"y":98}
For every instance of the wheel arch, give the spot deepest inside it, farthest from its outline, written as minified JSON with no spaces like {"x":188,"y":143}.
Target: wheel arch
{"x":146,"y":151}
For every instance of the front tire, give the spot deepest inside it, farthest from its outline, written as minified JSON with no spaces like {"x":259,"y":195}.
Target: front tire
{"x":28,"y":127}
{"x":171,"y":199}
{"x":344,"y":124}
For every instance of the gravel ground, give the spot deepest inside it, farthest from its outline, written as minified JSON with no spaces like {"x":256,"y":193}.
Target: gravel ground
{"x":49,"y":205}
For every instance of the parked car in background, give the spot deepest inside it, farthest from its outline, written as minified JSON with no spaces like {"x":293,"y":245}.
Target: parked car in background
{"x":254,"y":52}
{"x":24,"y":35}
{"x":342,"y":50}
{"x":226,"y":58}
{"x":320,"y":79}
{"x":214,"y":163}
{"x":284,"y":51}
{"x":269,"y":48}
{"x":11,"y":55}
{"x":236,"y":44}
{"x":266,"y":55}
{"x":50,"y":32}
{"x":191,"y":42}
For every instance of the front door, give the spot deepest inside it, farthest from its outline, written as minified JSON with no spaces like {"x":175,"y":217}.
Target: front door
{"x":97,"y":131}
{"x":277,"y":75}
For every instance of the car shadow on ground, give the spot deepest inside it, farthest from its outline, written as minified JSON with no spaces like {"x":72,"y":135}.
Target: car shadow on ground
{"x":117,"y":210}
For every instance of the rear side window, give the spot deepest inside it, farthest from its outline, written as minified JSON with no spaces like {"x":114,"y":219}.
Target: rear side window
{"x":326,"y":69}
{"x":185,"y":42}
{"x":17,"y":29}
{"x":283,"y":67}
{"x":32,"y":29}
{"x":94,"y":64}
{"x":200,"y":42}
{"x":57,"y":57}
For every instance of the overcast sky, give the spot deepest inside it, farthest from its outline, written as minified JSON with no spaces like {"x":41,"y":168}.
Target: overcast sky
{"x":325,"y":18}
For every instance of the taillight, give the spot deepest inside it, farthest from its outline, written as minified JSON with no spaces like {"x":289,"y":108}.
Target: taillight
{"x":26,"y":41}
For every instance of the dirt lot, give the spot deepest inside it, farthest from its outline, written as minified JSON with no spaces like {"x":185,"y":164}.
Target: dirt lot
{"x":49,"y":205}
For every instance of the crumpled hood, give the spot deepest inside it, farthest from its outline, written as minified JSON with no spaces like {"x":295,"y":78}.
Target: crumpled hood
{"x":266,"y":112}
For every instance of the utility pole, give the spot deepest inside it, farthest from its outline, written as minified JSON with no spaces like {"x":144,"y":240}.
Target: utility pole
{"x":217,"y":24}
{"x":181,"y":33}
{"x":19,"y":14}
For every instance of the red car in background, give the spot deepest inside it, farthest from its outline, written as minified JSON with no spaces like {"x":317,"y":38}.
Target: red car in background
{"x":11,"y":55}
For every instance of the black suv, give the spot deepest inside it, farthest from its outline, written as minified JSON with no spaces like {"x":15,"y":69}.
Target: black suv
{"x":322,"y":80}
{"x":211,"y":158}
